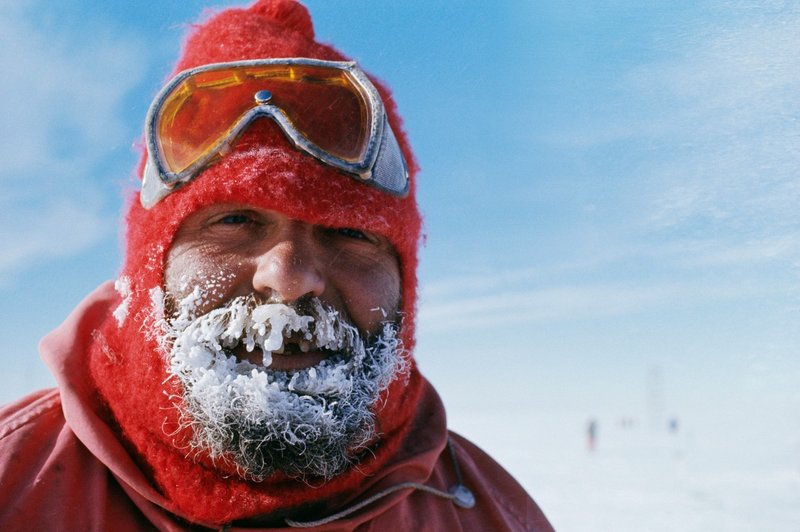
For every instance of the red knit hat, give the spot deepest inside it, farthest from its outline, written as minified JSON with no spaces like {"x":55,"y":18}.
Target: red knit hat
{"x":265,"y":171}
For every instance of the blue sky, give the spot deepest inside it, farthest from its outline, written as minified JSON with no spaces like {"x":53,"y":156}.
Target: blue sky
{"x":610,"y":190}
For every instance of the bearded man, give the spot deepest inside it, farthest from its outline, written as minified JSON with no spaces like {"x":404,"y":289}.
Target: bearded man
{"x":251,"y":367}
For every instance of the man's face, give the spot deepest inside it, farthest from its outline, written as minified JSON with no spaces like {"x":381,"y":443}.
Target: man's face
{"x":232,"y":250}
{"x":283,"y":335}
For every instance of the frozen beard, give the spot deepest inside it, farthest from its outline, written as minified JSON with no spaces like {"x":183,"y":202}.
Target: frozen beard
{"x":309,"y":423}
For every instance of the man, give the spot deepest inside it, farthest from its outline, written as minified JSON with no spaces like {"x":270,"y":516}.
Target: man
{"x":251,"y":367}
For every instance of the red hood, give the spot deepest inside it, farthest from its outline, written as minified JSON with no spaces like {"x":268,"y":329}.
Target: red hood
{"x":64,"y":466}
{"x":157,"y":475}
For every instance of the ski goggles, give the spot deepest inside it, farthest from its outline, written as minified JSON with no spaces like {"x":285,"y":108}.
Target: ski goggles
{"x":327,"y":109}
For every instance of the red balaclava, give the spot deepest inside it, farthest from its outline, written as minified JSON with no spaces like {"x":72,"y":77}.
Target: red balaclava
{"x":263,"y":170}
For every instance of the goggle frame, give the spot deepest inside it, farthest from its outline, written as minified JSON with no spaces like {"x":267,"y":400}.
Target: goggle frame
{"x":158,"y":181}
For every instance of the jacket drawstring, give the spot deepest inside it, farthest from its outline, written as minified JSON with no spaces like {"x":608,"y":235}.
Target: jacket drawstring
{"x":459,"y":494}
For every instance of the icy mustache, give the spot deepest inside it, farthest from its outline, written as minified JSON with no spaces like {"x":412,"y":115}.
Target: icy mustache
{"x":271,"y":327}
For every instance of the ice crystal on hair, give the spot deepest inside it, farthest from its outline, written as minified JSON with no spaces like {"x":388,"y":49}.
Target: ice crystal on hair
{"x":123,"y":287}
{"x":157,"y":303}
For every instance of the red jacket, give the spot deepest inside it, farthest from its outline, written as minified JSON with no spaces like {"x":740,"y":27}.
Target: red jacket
{"x":63,"y":467}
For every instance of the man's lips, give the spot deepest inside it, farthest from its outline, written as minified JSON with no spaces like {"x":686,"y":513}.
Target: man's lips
{"x":292,"y":358}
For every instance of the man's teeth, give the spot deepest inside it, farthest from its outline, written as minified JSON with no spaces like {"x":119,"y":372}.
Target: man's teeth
{"x":303,"y":346}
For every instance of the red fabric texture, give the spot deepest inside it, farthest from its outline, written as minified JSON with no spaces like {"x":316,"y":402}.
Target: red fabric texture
{"x":63,"y":466}
{"x":262,"y":170}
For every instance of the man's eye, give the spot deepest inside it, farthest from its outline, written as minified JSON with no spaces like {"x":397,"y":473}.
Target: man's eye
{"x":235,"y":219}
{"x":352,"y":233}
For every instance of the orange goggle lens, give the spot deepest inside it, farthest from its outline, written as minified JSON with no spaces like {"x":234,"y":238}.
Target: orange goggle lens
{"x":325,"y":105}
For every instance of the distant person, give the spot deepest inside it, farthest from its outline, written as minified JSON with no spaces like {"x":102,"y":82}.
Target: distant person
{"x":591,"y":434}
{"x":252,"y":366}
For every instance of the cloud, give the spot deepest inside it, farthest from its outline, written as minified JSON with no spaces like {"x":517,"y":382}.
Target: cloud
{"x":61,"y":103}
{"x":778,"y":247}
{"x":711,"y":118}
{"x":59,"y":228}
{"x":722,"y":110}
{"x":663,"y":276}
{"x":551,"y":304}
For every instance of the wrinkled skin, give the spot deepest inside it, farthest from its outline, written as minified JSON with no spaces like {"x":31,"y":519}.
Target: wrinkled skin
{"x":231,"y":250}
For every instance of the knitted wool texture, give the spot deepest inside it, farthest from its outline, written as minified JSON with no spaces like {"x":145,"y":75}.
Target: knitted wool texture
{"x":263,"y":170}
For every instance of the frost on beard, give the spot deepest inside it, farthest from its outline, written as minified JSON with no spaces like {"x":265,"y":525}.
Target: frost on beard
{"x":312,"y":422}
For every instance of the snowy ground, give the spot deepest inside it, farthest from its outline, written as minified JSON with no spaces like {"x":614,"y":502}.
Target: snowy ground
{"x":703,"y":477}
{"x":733,"y":464}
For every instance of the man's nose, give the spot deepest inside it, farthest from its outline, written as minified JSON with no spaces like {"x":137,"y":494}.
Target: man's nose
{"x":289,"y":270}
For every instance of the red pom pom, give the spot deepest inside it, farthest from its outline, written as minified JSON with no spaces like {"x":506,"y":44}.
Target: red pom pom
{"x":287,"y":14}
